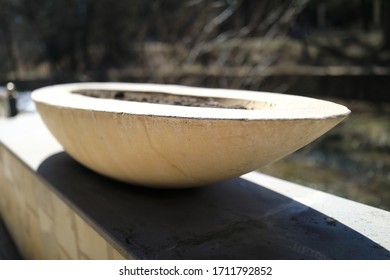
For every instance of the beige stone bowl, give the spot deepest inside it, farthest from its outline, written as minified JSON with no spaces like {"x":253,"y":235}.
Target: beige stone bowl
{"x":174,"y":143}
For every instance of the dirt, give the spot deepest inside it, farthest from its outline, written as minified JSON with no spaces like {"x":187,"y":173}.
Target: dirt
{"x":165,"y":98}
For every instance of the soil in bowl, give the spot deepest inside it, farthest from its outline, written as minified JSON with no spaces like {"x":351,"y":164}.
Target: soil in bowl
{"x":173,"y":99}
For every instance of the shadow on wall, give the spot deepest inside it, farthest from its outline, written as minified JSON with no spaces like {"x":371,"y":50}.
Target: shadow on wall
{"x":8,"y":250}
{"x":235,"y":219}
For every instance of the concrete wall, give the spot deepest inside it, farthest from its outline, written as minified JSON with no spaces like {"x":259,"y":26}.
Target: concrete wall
{"x":42,"y":225}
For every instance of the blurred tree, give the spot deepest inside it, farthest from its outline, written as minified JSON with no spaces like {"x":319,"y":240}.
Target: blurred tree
{"x":113,"y":30}
{"x":74,"y":36}
{"x":6,"y":35}
{"x":386,"y":24}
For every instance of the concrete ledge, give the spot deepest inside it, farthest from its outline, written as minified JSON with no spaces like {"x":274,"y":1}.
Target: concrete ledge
{"x":56,"y":208}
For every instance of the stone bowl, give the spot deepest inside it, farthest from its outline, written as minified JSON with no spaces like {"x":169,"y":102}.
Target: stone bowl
{"x":169,"y":136}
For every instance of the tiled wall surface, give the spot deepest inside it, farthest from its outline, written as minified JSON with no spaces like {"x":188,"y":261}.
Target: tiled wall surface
{"x":42,"y":225}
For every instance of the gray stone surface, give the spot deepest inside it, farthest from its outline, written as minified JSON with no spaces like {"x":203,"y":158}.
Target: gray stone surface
{"x":235,"y":219}
{"x":251,"y":217}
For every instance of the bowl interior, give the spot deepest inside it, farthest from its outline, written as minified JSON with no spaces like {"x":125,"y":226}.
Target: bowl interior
{"x":176,"y":99}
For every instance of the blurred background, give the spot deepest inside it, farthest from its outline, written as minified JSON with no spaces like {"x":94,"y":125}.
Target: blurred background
{"x":337,"y":50}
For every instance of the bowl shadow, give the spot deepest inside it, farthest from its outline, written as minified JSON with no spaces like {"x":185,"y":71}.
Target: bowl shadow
{"x":234,"y":219}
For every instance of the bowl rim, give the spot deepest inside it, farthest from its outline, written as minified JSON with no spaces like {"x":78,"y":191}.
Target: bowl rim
{"x":281,"y":106}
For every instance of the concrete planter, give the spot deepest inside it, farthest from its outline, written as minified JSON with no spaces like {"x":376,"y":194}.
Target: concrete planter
{"x":174,"y":136}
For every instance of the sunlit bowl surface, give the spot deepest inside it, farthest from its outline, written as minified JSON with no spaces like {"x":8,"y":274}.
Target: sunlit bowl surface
{"x":176,"y":146}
